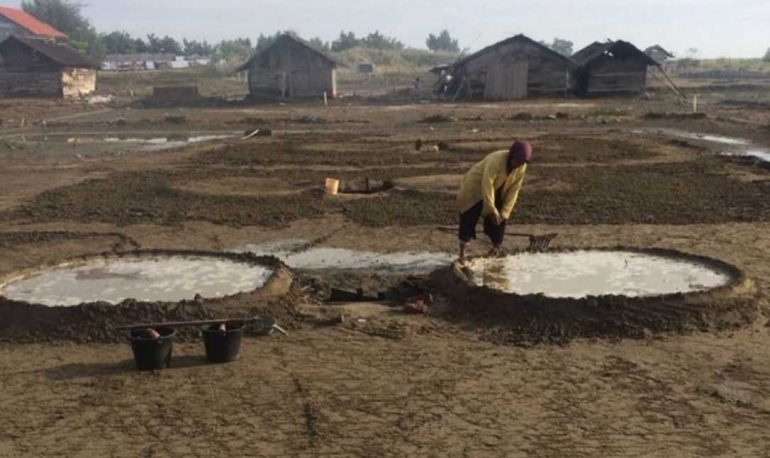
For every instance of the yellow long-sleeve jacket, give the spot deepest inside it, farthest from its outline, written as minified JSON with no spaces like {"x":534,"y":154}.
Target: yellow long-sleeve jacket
{"x":486,"y":177}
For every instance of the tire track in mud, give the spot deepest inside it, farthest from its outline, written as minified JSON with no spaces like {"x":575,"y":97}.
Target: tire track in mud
{"x":310,"y":412}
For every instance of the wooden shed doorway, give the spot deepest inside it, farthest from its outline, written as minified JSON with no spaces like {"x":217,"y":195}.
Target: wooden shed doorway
{"x":299,"y":84}
{"x":507,"y":80}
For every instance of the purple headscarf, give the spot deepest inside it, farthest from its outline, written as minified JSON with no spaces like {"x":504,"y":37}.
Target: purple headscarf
{"x":519,"y":154}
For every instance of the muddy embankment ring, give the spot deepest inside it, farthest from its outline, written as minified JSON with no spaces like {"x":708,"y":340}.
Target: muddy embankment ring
{"x":96,"y":321}
{"x":531,"y":319}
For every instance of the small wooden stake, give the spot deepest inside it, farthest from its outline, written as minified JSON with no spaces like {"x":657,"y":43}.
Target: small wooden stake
{"x":326,"y":100}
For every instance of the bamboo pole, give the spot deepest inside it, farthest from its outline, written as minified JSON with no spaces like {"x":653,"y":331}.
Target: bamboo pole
{"x":673,"y":83}
{"x":668,"y":85}
{"x":513,"y":234}
{"x":184,"y":324}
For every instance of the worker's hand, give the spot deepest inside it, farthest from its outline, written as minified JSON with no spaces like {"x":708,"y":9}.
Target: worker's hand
{"x":496,"y":219}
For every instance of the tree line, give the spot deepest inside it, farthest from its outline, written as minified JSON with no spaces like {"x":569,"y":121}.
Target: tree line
{"x":67,"y":16}
{"x":124,"y":43}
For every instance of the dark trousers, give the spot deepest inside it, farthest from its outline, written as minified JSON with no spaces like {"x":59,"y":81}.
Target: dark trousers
{"x":470,"y":219}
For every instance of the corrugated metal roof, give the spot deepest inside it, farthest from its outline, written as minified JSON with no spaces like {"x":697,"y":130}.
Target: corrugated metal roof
{"x":60,"y":53}
{"x":30,"y":23}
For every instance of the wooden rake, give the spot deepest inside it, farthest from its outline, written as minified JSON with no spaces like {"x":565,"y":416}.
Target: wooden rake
{"x":537,"y":243}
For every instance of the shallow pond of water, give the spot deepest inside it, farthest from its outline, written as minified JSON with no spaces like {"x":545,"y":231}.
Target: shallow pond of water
{"x":162,"y":143}
{"x":581,"y":274}
{"x":759,"y":154}
{"x":151,"y":279}
{"x":137,"y":141}
{"x":294,"y":255}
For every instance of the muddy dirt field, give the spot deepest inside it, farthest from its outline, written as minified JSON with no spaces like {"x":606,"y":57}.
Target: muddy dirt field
{"x":370,"y":378}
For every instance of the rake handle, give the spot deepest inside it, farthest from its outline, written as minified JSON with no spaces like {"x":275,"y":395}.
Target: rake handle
{"x":513,"y":234}
{"x":179,"y":324}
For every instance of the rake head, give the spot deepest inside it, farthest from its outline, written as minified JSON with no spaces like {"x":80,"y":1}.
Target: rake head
{"x":539,"y":243}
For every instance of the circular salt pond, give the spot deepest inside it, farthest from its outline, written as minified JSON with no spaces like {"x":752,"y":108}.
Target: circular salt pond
{"x":144,"y":278}
{"x":581,"y":274}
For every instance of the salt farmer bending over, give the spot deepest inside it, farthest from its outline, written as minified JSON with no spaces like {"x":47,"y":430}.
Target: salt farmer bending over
{"x":490,"y":190}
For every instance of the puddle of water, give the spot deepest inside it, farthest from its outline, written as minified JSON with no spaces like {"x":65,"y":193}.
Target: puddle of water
{"x":152,"y":279}
{"x":715,"y":139}
{"x":698,"y":136}
{"x":342,"y":259}
{"x":595,"y":273}
{"x":741,"y":146}
{"x":145,"y":143}
{"x":759,"y":154}
{"x":162,"y":143}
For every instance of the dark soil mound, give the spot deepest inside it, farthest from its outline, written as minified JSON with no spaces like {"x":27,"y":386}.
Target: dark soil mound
{"x":135,"y":198}
{"x":96,"y":322}
{"x":438,"y":118}
{"x":674,"y":116}
{"x":677,"y":193}
{"x":526,"y":320}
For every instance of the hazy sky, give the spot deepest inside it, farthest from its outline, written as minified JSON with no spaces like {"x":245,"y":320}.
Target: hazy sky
{"x":718,"y":28}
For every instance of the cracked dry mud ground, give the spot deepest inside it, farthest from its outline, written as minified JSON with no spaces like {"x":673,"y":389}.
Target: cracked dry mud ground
{"x":336,"y":393}
{"x":394,"y":385}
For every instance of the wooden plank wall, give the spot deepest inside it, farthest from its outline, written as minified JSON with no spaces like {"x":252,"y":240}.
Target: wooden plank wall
{"x":307,"y":73}
{"x":27,"y":74}
{"x":507,"y":81}
{"x":265,"y":81}
{"x":609,"y":75}
{"x":30,"y":84}
{"x":546,"y":74}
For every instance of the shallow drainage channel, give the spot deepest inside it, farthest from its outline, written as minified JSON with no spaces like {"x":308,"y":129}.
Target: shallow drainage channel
{"x":735,"y":146}
{"x":582,"y":274}
{"x":291,"y":252}
{"x":142,"y":141}
{"x":163,"y":143}
{"x":150,"y":278}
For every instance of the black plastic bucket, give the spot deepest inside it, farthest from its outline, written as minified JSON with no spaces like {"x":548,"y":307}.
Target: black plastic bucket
{"x":152,"y":353}
{"x":223,"y":346}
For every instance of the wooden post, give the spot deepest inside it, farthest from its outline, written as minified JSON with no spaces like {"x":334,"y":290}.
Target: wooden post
{"x":695,"y":103}
{"x":326,"y":100}
{"x":282,"y":84}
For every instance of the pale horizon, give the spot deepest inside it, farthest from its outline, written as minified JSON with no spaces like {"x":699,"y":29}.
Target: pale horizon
{"x":718,"y":28}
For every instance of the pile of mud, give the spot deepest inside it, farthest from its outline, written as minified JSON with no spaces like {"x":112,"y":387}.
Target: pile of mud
{"x":654,"y":115}
{"x":148,"y":197}
{"x":343,"y":149}
{"x":531,"y":319}
{"x":677,"y":193}
{"x":12,"y":239}
{"x":554,"y":148}
{"x":96,"y":322}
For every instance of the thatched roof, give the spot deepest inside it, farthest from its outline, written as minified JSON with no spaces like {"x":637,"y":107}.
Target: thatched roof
{"x":287,"y":37}
{"x":517,"y":38}
{"x":619,"y":48}
{"x":60,"y":53}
